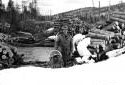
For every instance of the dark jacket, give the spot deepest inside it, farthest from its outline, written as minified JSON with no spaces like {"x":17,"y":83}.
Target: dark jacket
{"x":64,"y":45}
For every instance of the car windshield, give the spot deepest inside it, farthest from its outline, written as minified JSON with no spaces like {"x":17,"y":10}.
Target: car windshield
{"x":23,"y":34}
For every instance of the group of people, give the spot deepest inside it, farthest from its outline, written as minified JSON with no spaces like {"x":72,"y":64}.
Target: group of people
{"x":66,"y":45}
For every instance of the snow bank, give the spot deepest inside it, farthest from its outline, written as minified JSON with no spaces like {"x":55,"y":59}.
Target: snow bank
{"x":110,"y":72}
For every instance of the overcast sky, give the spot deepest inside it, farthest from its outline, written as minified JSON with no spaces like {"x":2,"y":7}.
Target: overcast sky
{"x":58,"y":6}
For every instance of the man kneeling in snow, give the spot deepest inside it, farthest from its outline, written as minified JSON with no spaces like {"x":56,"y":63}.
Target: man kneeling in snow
{"x":80,"y":44}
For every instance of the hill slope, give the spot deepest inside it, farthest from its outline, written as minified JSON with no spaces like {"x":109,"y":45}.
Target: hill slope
{"x":93,"y":10}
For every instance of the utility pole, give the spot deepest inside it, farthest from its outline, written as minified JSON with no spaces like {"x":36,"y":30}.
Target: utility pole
{"x":109,"y":9}
{"x":121,"y":5}
{"x":0,"y":2}
{"x":120,"y":2}
{"x":93,"y":3}
{"x":34,"y":2}
{"x":23,"y":4}
{"x":50,"y":12}
{"x":99,"y":10}
{"x":93,"y":6}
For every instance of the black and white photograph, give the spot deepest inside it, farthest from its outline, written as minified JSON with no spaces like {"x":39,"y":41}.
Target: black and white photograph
{"x":84,"y":37}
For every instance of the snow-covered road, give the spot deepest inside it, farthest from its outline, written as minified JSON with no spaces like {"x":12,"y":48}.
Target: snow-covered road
{"x":109,"y":72}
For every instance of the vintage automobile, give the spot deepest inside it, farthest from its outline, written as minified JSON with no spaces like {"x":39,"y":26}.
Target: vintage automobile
{"x":22,"y":37}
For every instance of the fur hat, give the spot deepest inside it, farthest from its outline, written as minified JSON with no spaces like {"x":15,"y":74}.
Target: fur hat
{"x":55,"y":52}
{"x":56,"y":59}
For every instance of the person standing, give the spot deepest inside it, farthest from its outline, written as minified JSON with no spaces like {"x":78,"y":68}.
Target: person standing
{"x":64,"y":44}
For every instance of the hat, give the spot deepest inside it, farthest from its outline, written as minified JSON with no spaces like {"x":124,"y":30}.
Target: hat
{"x":55,"y":52}
{"x":64,"y":27}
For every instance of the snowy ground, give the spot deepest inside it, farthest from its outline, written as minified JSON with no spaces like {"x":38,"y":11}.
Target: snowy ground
{"x":109,"y":72}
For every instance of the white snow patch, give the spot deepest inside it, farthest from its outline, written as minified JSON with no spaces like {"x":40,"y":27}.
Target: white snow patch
{"x":109,"y":72}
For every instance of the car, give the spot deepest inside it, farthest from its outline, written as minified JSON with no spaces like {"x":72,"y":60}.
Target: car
{"x":22,"y":37}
